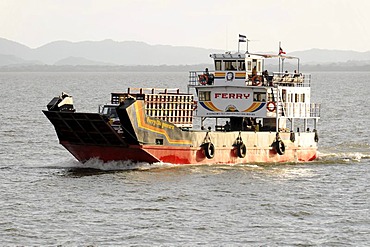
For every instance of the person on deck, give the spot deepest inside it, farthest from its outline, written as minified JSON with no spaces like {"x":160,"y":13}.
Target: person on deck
{"x":254,"y":71}
{"x":266,"y":76}
{"x":254,"y":74}
{"x":227,"y":126}
{"x":210,"y":77}
{"x":296,"y":74}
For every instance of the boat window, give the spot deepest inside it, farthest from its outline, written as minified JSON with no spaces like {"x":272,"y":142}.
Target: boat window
{"x":204,"y":96}
{"x":218,"y":65}
{"x":230,"y":65}
{"x":254,"y":64}
{"x":241,"y":65}
{"x":249,"y":66}
{"x":259,"y":96}
{"x":159,"y":141}
{"x":299,"y":97}
{"x":270,"y":97}
{"x":290,"y":99}
{"x":259,"y":66}
{"x":110,"y":111}
{"x":283,"y":95}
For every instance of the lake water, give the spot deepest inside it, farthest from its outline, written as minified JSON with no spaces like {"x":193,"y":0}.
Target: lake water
{"x":49,"y":199}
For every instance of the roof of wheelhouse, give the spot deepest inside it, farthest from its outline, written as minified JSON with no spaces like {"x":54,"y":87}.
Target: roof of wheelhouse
{"x":229,"y":55}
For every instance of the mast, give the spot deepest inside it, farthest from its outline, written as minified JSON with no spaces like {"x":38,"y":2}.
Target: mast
{"x":242,"y":38}
{"x":279,"y":54}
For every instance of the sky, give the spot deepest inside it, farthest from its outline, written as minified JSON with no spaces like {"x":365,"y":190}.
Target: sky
{"x":297,"y":24}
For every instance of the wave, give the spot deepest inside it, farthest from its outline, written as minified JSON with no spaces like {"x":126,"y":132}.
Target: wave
{"x":72,"y":167}
{"x":333,"y":157}
{"x":346,"y":151}
{"x":124,"y":165}
{"x":114,"y":165}
{"x":96,"y":166}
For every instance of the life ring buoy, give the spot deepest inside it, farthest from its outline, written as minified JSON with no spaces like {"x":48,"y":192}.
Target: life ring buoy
{"x":209,"y":150}
{"x":241,"y":150}
{"x":255,"y":82}
{"x":279,"y":147}
{"x":195,"y":105}
{"x":271,"y":106}
{"x":203,"y":79}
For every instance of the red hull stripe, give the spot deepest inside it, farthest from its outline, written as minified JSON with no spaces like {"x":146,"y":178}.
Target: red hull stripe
{"x":185,"y":155}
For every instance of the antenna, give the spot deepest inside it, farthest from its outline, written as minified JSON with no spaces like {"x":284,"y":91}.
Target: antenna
{"x":227,"y":31}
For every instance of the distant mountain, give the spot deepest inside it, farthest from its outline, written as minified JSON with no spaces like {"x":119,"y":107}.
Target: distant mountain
{"x":131,"y":53}
{"x":111,"y":52}
{"x":11,"y":60}
{"x":8,"y":47}
{"x":318,"y":56}
{"x":74,"y":61}
{"x":122,"y":53}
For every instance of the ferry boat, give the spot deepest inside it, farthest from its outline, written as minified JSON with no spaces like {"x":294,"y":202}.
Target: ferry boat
{"x":245,"y":114}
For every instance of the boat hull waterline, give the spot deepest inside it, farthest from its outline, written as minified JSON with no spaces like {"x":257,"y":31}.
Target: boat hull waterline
{"x":178,"y":155}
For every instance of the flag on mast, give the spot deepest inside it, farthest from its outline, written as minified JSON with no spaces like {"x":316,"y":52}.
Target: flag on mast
{"x":242,"y":38}
{"x":281,"y":51}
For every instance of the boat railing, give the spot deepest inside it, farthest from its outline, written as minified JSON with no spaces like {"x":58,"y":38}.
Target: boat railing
{"x":177,"y":109}
{"x":301,"y":110}
{"x":277,"y":78}
{"x":315,"y":110}
{"x":195,"y":77}
{"x":134,"y":90}
{"x":116,"y":98}
{"x":291,"y":79}
{"x":165,"y":104}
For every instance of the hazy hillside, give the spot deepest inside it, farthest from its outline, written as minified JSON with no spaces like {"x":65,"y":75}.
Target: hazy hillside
{"x":315,"y":56}
{"x":108,"y":52}
{"x":11,"y":60}
{"x":122,"y":53}
{"x":8,"y":47}
{"x":131,"y":53}
{"x":80,"y":61}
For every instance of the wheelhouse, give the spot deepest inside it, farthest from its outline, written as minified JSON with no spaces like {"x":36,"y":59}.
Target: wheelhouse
{"x":242,"y":89}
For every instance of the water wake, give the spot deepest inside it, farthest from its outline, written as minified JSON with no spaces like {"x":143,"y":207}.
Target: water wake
{"x":333,"y":157}
{"x":119,"y":165}
{"x":326,"y":156}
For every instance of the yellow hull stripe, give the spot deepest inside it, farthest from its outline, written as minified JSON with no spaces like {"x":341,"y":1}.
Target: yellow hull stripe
{"x":142,"y":124}
{"x":239,"y":74}
{"x":211,"y":106}
{"x":220,"y":74}
{"x":253,"y":107}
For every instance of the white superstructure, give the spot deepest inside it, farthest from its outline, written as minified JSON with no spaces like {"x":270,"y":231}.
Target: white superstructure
{"x":241,"y":87}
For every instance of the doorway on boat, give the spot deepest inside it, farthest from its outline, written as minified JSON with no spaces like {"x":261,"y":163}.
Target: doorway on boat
{"x":248,"y":124}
